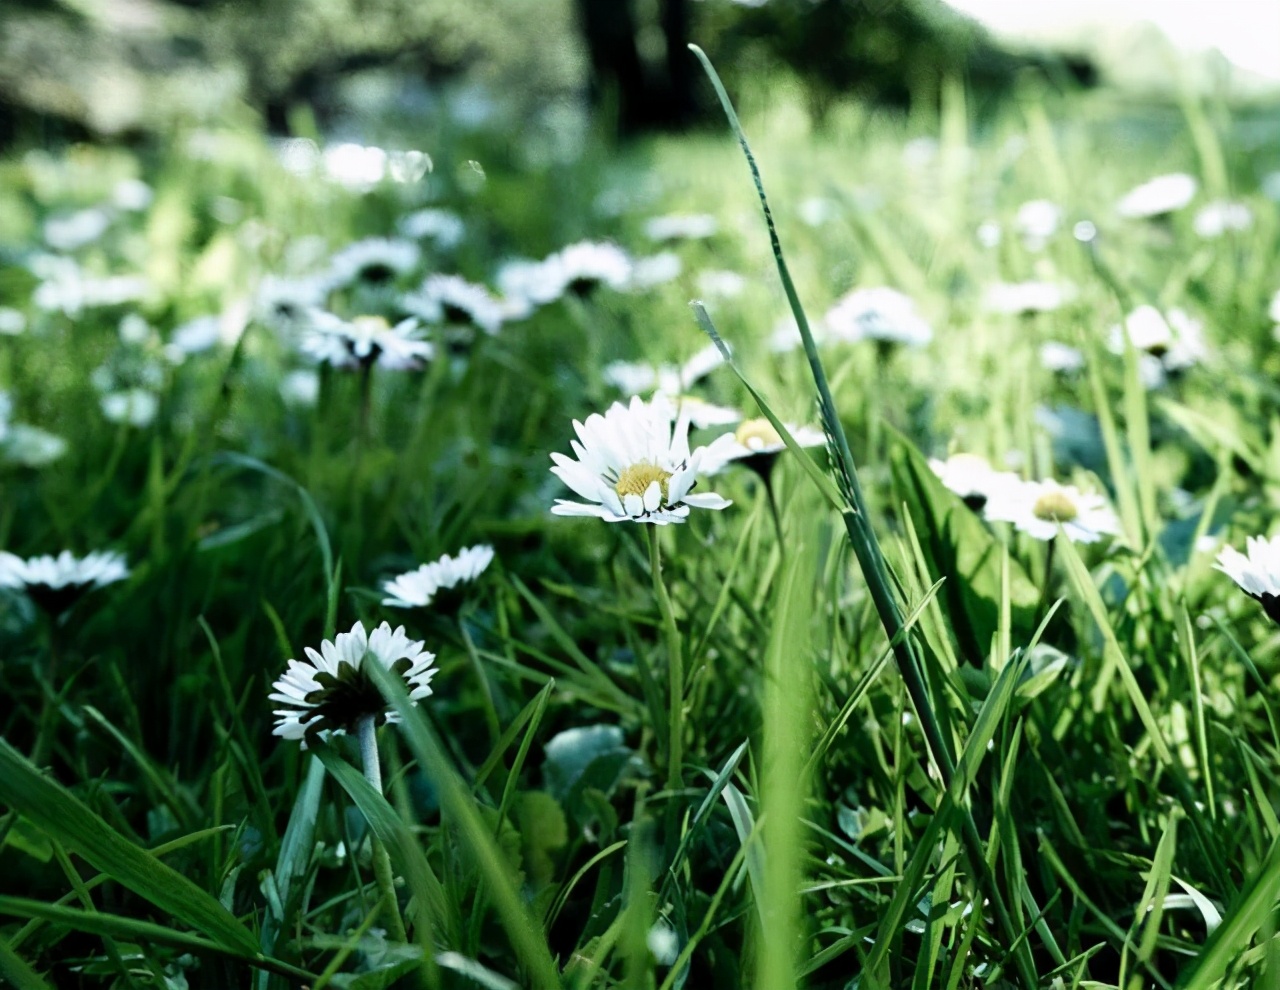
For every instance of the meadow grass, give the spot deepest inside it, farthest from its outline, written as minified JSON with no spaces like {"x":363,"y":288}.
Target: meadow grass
{"x":874,"y":741}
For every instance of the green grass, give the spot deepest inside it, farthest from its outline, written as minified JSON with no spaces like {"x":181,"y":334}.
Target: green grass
{"x":905,"y":747}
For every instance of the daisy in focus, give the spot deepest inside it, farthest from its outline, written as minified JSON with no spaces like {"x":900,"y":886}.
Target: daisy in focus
{"x":57,"y":583}
{"x":331,"y":691}
{"x":364,"y":342}
{"x":419,"y":588}
{"x":1038,"y":508}
{"x":634,"y":465}
{"x":1257,"y":571}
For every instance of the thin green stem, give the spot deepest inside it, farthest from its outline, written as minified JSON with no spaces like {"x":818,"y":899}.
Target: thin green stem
{"x":675,"y":668}
{"x":381,"y":861}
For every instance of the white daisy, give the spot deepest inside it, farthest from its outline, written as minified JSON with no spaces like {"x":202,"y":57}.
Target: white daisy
{"x":1216,"y":218}
{"x":284,"y":303}
{"x":355,"y":166}
{"x":634,"y":377}
{"x":1020,"y":298}
{"x":69,"y":231}
{"x":877,"y":313}
{"x":681,"y":226}
{"x":757,"y":444}
{"x":300,"y":388}
{"x":373,"y":261}
{"x":57,"y":583}
{"x":132,"y":406}
{"x":12,"y":321}
{"x":581,"y":267}
{"x":131,"y":195}
{"x":633,"y":465}
{"x":1060,"y":357}
{"x":418,"y":588}
{"x":1257,"y":572}
{"x":1174,"y":339}
{"x":1036,"y":221}
{"x":972,"y":478}
{"x":656,"y":269}
{"x":1157,"y":197}
{"x":444,"y":228}
{"x":331,"y":691}
{"x":365,"y":341}
{"x":452,"y":299}
{"x":1038,"y":507}
{"x":721,"y":283}
{"x":534,"y":281}
{"x":31,"y":446}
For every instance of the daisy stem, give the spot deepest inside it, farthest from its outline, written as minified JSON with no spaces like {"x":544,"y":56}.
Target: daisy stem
{"x":773,"y":508}
{"x":1048,"y":571}
{"x":367,"y":733}
{"x":675,"y":667}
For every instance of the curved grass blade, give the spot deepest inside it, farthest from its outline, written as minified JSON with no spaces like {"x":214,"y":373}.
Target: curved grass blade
{"x":71,"y":822}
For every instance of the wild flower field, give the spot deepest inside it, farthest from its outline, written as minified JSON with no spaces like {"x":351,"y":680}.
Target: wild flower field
{"x":404,"y":584}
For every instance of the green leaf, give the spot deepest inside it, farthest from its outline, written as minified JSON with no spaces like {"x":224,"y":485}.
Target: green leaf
{"x":958,"y":546}
{"x":402,"y":845}
{"x":17,"y":971}
{"x":543,"y":833}
{"x":66,"y":819}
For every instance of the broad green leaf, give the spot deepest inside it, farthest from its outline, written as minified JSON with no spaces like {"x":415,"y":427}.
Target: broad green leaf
{"x":61,"y":814}
{"x":959,"y":548}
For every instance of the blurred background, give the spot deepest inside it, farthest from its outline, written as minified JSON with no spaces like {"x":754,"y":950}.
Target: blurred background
{"x":365,"y":69}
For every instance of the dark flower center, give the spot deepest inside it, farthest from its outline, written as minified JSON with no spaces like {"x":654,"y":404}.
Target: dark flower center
{"x":343,"y":699}
{"x":377,"y":273}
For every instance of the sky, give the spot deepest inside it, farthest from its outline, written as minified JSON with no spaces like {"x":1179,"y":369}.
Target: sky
{"x":1247,"y":32}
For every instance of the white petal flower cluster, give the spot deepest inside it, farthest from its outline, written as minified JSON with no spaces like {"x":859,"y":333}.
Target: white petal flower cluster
{"x":878,"y":313}
{"x":330,"y":692}
{"x":633,"y":465}
{"x":1158,"y":197}
{"x":365,"y":341}
{"x":452,"y":299}
{"x":418,"y":588}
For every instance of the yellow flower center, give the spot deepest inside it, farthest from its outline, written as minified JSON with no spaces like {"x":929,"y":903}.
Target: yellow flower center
{"x":636,"y":480}
{"x":757,"y":434}
{"x":370,"y":325}
{"x":1055,"y":507}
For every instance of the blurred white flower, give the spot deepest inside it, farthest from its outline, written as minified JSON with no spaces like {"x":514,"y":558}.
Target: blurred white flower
{"x":285,"y":303}
{"x":197,"y":335}
{"x":1016,"y":298}
{"x":300,"y":388}
{"x":452,"y":299}
{"x":134,"y":330}
{"x":67,"y":289}
{"x":1159,"y":196}
{"x":700,"y":413}
{"x":681,"y":226}
{"x":31,"y":446}
{"x":817,"y":210}
{"x":721,"y":283}
{"x":1037,"y":508}
{"x":1173,"y":340}
{"x":656,"y":269}
{"x":133,"y":406}
{"x":581,"y":267}
{"x":131,"y":195}
{"x":444,"y":228}
{"x":633,"y":465}
{"x":373,"y":261}
{"x":634,"y":377}
{"x":298,"y":156}
{"x":972,"y":478}
{"x":877,"y":313}
{"x":1036,"y":221}
{"x":331,"y":691}
{"x":533,"y":281}
{"x":662,"y":941}
{"x":12,"y":321}
{"x":1216,"y":218}
{"x":57,"y":583}
{"x":418,"y":588}
{"x":365,"y":341}
{"x":989,"y":234}
{"x":354,"y":166}
{"x":1060,"y":357}
{"x":69,"y":231}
